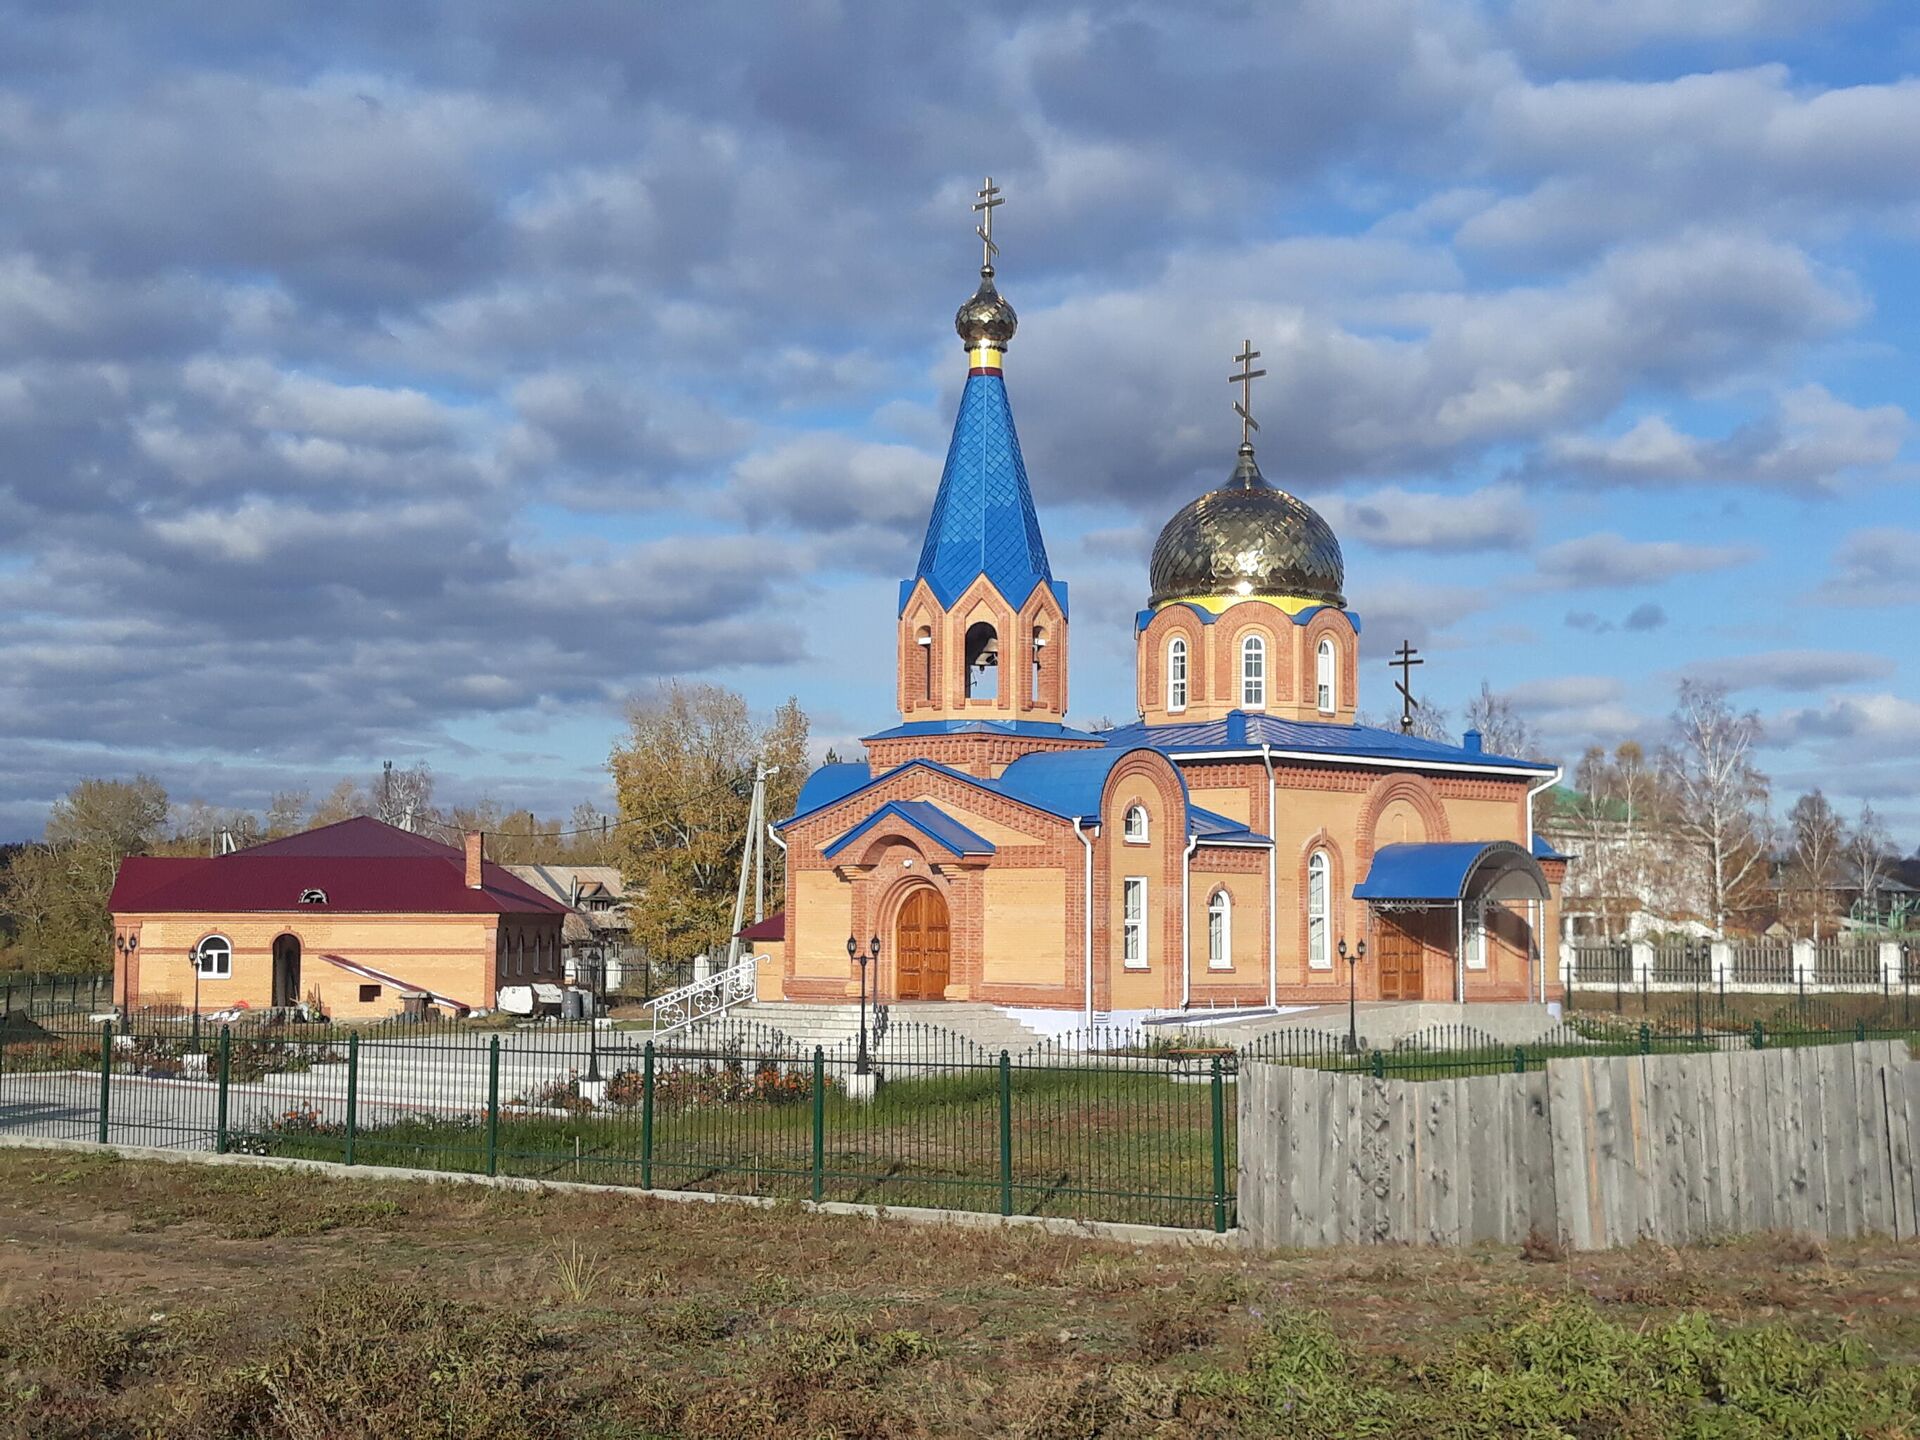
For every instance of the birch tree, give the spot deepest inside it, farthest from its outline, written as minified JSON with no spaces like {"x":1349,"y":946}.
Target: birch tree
{"x":1818,"y":837}
{"x":1720,"y":795}
{"x":1502,"y":729}
{"x":1866,"y":849}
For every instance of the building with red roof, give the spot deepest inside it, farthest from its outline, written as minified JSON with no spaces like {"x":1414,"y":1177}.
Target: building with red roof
{"x":356,"y":918}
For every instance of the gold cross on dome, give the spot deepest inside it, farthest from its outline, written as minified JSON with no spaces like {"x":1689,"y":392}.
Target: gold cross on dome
{"x":987,"y":198}
{"x":1243,"y":407}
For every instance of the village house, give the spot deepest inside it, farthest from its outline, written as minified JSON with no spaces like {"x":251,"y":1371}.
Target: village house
{"x":357,"y":920}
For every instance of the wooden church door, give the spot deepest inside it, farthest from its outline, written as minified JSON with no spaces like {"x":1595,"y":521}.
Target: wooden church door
{"x":921,"y":947}
{"x":1402,"y":956}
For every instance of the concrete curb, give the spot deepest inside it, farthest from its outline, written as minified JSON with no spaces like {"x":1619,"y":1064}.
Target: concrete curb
{"x":911,"y":1215}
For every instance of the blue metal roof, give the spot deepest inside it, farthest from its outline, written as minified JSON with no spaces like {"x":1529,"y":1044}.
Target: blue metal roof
{"x":830,"y":783}
{"x":1220,"y":829}
{"x":1368,"y":741}
{"x":1435,"y":870}
{"x":1048,"y":729}
{"x":926,"y":817}
{"x":1065,"y":782}
{"x":983,"y":519}
{"x":1543,"y":850}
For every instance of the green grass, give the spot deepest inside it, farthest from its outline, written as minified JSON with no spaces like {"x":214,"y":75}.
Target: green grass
{"x":1095,"y":1144}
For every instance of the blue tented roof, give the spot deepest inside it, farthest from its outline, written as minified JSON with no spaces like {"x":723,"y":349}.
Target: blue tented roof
{"x":1307,"y":735}
{"x":983,"y":520}
{"x":926,"y":817}
{"x":1435,"y":870}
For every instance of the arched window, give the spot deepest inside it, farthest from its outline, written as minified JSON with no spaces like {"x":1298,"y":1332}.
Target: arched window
{"x":983,"y":661}
{"x":1134,"y":830}
{"x":1323,"y":671}
{"x":1319,"y":951}
{"x":924,"y":643}
{"x":1220,"y":931}
{"x":1253,"y":672}
{"x":1177,"y":673}
{"x":1039,"y":646}
{"x":214,"y":957}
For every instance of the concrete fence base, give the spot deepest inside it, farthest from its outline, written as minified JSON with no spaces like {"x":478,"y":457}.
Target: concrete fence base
{"x":1593,"y":1153}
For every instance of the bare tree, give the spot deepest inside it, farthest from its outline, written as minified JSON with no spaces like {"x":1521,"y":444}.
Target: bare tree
{"x":1817,"y":842}
{"x":1866,"y":849}
{"x":1719,"y":793}
{"x":1502,"y":730}
{"x":403,"y":798}
{"x":284,"y":812}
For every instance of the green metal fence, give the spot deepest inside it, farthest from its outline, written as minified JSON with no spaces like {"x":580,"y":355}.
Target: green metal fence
{"x":25,"y":993}
{"x":1125,"y":1127}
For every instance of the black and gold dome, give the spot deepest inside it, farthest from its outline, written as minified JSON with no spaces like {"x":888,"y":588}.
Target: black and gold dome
{"x":1247,"y":538}
{"x":986,"y":319}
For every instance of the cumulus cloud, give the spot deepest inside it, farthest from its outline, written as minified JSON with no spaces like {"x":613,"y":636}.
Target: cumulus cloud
{"x":1874,"y":567}
{"x":1496,"y":518}
{"x":1792,"y":669}
{"x":1611,"y":561}
{"x":1809,"y":442}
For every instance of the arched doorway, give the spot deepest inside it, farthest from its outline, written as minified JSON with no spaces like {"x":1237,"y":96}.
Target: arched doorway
{"x":920,"y":947}
{"x":286,"y":971}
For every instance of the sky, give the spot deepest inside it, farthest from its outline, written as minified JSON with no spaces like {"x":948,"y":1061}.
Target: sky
{"x":384,"y":380}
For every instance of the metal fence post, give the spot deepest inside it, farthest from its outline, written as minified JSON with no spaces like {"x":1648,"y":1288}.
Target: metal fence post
{"x":646,"y":1118}
{"x":1519,"y":1060}
{"x":493,"y":1105}
{"x":1759,"y":1035}
{"x":1219,"y":1150}
{"x":1379,"y":1066}
{"x":1646,"y":1038}
{"x":353,"y":1090}
{"x":819,"y":1122}
{"x":1006,"y":1134}
{"x":220,"y":1092}
{"x":106,"y":1074}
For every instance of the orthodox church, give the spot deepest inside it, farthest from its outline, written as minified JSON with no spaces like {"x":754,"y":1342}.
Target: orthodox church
{"x":1233,"y":847}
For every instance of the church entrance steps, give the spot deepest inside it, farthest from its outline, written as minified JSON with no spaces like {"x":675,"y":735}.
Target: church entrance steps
{"x":907,"y":1026}
{"x":1384,"y":1023}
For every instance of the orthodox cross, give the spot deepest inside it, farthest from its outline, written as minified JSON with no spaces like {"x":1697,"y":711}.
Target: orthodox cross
{"x":1243,"y":406}
{"x":1404,"y":660}
{"x":987,"y":198}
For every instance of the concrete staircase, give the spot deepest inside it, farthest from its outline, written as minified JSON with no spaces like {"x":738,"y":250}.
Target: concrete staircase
{"x":911,"y":1028}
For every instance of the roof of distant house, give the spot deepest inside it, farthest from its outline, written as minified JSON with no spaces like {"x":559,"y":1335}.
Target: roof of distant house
{"x":360,"y":865}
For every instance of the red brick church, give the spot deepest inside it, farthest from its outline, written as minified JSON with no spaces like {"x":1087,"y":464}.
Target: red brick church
{"x":1220,"y":850}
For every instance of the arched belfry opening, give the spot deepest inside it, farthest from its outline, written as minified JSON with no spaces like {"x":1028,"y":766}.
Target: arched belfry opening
{"x":983,"y":661}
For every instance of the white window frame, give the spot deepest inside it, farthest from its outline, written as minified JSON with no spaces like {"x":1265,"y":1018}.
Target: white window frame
{"x":1253,"y":673}
{"x":1133,"y":922}
{"x":1473,"y":934}
{"x":1135,"y":833}
{"x":1177,"y":673}
{"x":1324,"y":675}
{"x":1220,"y":931}
{"x":217,"y":965}
{"x":1319,"y":910}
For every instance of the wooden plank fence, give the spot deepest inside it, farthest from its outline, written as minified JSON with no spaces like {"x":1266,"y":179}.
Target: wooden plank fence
{"x":1820,"y":1140}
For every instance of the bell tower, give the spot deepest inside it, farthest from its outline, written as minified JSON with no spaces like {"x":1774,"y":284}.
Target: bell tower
{"x":983,"y":623}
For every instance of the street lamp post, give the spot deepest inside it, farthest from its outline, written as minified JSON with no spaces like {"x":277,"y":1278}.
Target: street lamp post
{"x":194,"y":956}
{"x":1353,"y":964}
{"x":860,"y":1066}
{"x":127,"y":945}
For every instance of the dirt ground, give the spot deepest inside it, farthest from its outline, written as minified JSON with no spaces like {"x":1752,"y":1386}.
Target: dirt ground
{"x":160,"y":1300}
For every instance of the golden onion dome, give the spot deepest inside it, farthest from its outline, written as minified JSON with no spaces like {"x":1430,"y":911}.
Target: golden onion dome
{"x":986,"y":318}
{"x":1247,"y":538}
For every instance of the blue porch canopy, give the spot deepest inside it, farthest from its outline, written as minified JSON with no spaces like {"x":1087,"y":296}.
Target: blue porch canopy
{"x":1446,"y":872}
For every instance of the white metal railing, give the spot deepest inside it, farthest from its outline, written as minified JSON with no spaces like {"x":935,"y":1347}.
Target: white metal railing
{"x":705,"y":999}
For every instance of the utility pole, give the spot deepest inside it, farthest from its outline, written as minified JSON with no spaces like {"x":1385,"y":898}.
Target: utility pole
{"x":753,"y":860}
